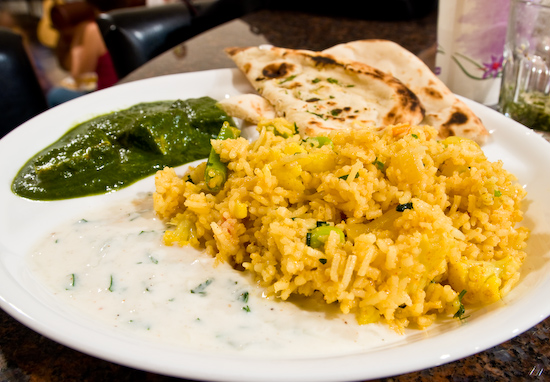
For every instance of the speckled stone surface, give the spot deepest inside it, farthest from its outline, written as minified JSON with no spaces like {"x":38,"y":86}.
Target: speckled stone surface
{"x":318,"y":32}
{"x":28,"y":356}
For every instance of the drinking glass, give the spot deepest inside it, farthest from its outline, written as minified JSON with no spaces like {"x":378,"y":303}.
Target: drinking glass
{"x":471,"y":36}
{"x":525,"y":88}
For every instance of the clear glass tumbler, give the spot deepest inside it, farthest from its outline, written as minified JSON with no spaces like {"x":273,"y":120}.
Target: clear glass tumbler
{"x":525,"y":88}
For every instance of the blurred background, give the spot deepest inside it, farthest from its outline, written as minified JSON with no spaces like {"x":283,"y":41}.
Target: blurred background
{"x":23,"y":17}
{"x":32,"y":20}
{"x":46,"y":58}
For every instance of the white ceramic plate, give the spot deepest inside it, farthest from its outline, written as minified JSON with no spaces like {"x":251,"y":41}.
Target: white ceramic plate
{"x":23,"y":222}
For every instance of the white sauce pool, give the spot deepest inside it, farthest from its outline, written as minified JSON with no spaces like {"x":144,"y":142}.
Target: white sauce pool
{"x":111,"y":265}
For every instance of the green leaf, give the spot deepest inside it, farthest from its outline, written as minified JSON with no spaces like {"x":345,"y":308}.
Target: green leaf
{"x":287,"y":79}
{"x":461,"y":310}
{"x":404,"y":206}
{"x":200,"y":289}
{"x":110,"y":289}
{"x":379,"y":165}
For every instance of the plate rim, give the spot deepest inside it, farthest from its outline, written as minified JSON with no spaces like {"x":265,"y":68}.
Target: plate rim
{"x":256,"y":367}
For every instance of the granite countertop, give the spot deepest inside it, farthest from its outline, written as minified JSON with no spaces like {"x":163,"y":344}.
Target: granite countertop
{"x":28,"y":356}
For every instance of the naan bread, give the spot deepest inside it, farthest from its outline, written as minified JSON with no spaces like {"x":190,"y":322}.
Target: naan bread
{"x":320,"y":93}
{"x":250,"y":107}
{"x":444,"y":111}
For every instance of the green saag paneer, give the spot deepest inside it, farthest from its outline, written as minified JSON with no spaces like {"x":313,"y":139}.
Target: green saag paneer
{"x":115,"y":150}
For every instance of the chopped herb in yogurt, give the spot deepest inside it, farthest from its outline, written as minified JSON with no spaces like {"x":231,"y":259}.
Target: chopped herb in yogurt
{"x":200,"y":289}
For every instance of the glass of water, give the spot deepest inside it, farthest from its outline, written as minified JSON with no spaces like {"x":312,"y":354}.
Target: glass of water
{"x":525,"y":88}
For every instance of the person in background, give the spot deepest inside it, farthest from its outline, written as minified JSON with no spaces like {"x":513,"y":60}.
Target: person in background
{"x":88,"y":61}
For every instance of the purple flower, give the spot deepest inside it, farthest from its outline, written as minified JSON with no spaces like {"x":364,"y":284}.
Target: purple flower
{"x":437,"y":70}
{"x":494,"y":68}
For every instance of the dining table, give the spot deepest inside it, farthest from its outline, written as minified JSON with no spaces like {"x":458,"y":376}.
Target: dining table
{"x":28,"y":356}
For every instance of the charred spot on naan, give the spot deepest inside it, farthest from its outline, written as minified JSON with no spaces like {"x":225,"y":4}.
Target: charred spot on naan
{"x":391,"y":117}
{"x":432,"y":93}
{"x":277,"y":70}
{"x":457,"y":119}
{"x":246,"y":68}
{"x":323,"y":60}
{"x":409,"y":100}
{"x":360,"y":68}
{"x":313,"y":125}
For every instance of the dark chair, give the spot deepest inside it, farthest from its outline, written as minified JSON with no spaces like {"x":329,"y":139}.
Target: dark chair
{"x":21,"y":96}
{"x":136,"y":35}
{"x":133,"y":36}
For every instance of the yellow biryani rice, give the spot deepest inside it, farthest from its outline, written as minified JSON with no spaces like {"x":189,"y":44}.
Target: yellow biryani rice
{"x":409,"y":222}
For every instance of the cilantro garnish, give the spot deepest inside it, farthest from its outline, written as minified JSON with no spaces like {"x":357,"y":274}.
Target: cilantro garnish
{"x":318,"y":115}
{"x":287,"y":79}
{"x":404,"y":206}
{"x":199,"y":289}
{"x":461,"y":310}
{"x":110,"y":289}
{"x":345,"y":177}
{"x":379,"y":165}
